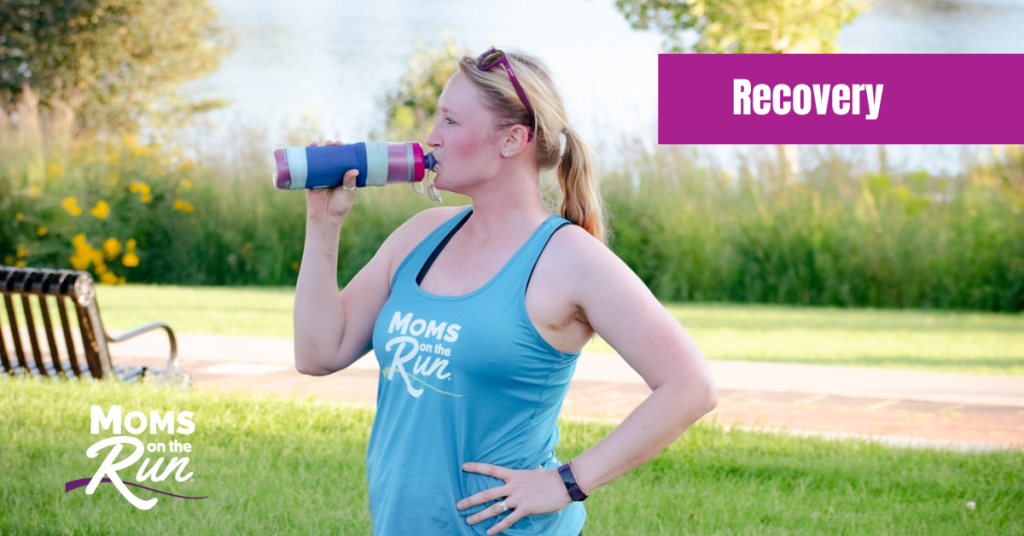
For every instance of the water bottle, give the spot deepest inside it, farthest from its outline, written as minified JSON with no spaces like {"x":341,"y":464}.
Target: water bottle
{"x":378,"y":162}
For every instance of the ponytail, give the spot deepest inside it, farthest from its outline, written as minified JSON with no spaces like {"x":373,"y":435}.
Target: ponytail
{"x":577,"y":177}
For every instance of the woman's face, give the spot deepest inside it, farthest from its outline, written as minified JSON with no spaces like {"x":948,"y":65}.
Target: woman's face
{"x":467,"y":149}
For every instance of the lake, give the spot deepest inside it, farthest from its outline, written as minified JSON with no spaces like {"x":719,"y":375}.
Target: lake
{"x":327,"y":63}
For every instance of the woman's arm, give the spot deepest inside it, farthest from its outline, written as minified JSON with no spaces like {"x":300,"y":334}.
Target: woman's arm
{"x":332,"y":329}
{"x":620,"y":308}
{"x":624,"y":312}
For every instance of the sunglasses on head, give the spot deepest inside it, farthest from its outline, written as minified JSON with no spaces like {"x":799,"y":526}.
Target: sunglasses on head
{"x":487,"y":61}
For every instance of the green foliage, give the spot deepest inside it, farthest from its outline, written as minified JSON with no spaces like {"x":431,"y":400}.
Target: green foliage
{"x":187,"y":224}
{"x":412,"y":108}
{"x":691,"y":233}
{"x":109,"y":62}
{"x":744,"y":26}
{"x":841,"y":239}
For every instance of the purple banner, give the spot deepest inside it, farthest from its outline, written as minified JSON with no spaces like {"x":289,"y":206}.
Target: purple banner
{"x":841,"y":98}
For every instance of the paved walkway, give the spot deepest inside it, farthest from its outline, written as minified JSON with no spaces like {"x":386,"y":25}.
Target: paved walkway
{"x":964,"y":411}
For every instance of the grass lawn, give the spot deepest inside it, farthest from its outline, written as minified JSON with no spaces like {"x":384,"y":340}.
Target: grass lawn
{"x":982,"y":343}
{"x":296,"y":466}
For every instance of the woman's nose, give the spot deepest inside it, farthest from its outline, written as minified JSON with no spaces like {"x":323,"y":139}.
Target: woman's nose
{"x":433,"y":139}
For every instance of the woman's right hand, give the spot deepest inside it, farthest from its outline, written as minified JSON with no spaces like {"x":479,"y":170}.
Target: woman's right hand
{"x":332,"y":204}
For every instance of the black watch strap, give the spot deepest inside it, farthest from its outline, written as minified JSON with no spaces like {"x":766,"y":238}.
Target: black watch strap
{"x":570,"y":483}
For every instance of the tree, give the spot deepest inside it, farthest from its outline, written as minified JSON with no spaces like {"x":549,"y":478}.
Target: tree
{"x":411,"y":110}
{"x":102,"y":65}
{"x":744,"y":26}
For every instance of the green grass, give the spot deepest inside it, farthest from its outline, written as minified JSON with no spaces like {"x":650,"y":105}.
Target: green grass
{"x":982,"y":343}
{"x":296,"y":466}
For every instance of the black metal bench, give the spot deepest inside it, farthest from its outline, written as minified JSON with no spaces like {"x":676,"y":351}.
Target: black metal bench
{"x":78,"y":288}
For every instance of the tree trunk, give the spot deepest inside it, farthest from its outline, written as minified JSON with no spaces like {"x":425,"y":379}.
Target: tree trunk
{"x":29,"y":137}
{"x":788,"y":166}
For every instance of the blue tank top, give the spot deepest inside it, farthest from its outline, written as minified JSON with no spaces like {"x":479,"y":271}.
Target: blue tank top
{"x":463,"y":379}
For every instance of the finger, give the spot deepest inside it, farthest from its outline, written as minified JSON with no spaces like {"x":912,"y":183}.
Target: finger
{"x":486,"y":495}
{"x":488,"y":512}
{"x":487,"y":469}
{"x":350,"y":179}
{"x":509,"y":520}
{"x":312,"y":144}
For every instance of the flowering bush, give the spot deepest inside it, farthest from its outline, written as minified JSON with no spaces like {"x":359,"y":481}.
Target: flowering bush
{"x":127,"y":188}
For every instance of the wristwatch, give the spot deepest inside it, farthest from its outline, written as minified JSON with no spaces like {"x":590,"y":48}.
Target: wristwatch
{"x":570,"y":483}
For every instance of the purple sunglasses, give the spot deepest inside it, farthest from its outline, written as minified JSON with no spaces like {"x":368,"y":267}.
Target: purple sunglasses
{"x":493,"y":57}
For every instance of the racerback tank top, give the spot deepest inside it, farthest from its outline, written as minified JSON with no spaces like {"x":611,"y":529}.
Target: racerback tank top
{"x":463,"y":379}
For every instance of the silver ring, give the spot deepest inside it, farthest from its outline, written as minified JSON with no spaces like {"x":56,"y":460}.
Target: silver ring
{"x":504,"y":507}
{"x":352,"y":189}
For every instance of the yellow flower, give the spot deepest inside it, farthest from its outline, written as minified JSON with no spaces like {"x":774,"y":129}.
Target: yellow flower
{"x":130,"y":260}
{"x":295,"y":266}
{"x":120,"y":280}
{"x":70,"y":204}
{"x":33,"y":191}
{"x":101,"y":269}
{"x":130,"y":244}
{"x":183,"y":206}
{"x":101,"y":210}
{"x":21,"y":251}
{"x":108,"y":278}
{"x":19,"y":216}
{"x":79,"y":262}
{"x":41,"y":231}
{"x":79,"y":240}
{"x":111,"y":247}
{"x":20,"y":264}
{"x":187,"y":184}
{"x":55,"y":170}
{"x":140,"y":187}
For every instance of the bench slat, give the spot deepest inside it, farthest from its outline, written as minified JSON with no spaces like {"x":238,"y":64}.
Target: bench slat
{"x":68,"y":341}
{"x":15,"y":332}
{"x":33,"y":337}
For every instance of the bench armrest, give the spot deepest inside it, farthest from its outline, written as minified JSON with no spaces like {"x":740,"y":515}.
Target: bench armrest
{"x":172,"y":362}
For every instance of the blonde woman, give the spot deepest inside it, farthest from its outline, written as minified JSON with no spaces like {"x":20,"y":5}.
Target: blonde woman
{"x":477,"y":316}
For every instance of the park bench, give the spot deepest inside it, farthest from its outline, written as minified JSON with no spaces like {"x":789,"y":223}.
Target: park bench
{"x":77,"y":288}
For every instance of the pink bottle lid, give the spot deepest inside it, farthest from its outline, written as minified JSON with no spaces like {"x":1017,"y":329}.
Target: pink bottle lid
{"x":417,"y":156}
{"x":282,"y":175}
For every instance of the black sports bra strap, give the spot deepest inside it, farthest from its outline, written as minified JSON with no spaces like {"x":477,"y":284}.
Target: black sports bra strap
{"x":564,"y":223}
{"x":440,"y":246}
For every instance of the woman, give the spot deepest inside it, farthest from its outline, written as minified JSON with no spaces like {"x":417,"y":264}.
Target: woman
{"x":477,"y":315}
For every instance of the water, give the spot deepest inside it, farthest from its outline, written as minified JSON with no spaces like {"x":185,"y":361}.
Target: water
{"x":329,"y":62}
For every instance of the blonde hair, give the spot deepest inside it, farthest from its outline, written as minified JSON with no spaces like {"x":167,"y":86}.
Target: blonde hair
{"x":577,"y":170}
